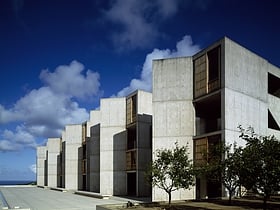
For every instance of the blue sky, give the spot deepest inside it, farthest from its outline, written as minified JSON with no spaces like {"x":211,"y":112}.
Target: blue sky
{"x":58,"y":58}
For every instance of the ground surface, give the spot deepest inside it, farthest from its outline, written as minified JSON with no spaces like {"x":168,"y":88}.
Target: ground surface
{"x":34,"y":198}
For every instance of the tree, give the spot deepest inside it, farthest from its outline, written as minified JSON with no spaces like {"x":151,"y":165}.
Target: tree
{"x":222,"y":163}
{"x":230,"y":169}
{"x":171,"y":170}
{"x":261,"y":158}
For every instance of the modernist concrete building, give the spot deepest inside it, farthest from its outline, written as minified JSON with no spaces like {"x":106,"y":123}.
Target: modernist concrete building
{"x":197,"y":101}
{"x":108,"y":154}
{"x":201,"y":100}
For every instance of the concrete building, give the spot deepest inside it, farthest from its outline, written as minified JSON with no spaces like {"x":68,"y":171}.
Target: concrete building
{"x":53,"y":148}
{"x":201,"y":101}
{"x":42,"y":172}
{"x":197,"y":101}
{"x":108,"y":154}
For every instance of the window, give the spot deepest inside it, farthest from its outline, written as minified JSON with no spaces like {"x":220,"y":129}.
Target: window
{"x":207,"y":69}
{"x":273,"y":85}
{"x":213,"y":64}
{"x":272,"y":122}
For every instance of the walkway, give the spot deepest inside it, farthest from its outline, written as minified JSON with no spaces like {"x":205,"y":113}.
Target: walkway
{"x":34,"y":198}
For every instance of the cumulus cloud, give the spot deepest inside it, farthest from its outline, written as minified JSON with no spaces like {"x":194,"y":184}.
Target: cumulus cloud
{"x":184,"y":47}
{"x":33,"y":168}
{"x":68,"y":80}
{"x":139,"y":21}
{"x":45,"y":111}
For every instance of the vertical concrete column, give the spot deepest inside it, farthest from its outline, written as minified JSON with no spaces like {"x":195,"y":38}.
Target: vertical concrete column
{"x":173,"y":112}
{"x":41,"y":159}
{"x":53,"y":146}
{"x":93,"y":151}
{"x":112,"y":125}
{"x":73,"y":141}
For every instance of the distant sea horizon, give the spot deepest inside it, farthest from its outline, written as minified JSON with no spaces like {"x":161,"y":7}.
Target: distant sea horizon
{"x":16,"y":182}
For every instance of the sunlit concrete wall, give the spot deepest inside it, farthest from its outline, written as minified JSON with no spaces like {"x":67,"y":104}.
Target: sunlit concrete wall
{"x":173,"y":112}
{"x":112,"y":155}
{"x":73,"y":141}
{"x":144,"y":141}
{"x":53,"y":147}
{"x":41,"y":159}
{"x":244,"y":91}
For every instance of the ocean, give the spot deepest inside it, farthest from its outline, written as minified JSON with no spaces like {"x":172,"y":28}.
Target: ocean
{"x":15,"y":182}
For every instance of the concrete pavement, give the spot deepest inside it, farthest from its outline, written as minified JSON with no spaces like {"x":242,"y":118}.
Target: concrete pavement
{"x":34,"y":198}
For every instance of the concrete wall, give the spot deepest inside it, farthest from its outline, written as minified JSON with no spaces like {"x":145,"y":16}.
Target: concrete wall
{"x":93,"y":152}
{"x":53,"y":147}
{"x":73,"y":141}
{"x":41,"y":158}
{"x":244,"y":97}
{"x":112,"y":123}
{"x":173,"y":112}
{"x":144,"y":101}
{"x":144,"y":153}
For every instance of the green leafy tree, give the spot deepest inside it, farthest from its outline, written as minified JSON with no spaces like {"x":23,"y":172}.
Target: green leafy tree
{"x":230,"y":169}
{"x":222,"y":163}
{"x":171,"y":170}
{"x":261,"y":158}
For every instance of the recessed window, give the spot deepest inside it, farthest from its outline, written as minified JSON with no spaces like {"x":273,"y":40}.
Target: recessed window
{"x":273,"y":85}
{"x":213,"y":63}
{"x":272,"y":122}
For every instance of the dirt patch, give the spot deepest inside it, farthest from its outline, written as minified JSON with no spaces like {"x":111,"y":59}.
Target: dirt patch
{"x":237,"y":204}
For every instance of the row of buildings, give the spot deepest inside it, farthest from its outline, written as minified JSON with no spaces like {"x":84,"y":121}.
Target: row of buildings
{"x":198,"y":100}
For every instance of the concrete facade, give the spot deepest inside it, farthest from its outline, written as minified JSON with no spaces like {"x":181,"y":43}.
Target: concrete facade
{"x":53,"y":147}
{"x":198,"y":101}
{"x":41,"y":166}
{"x":173,"y":112}
{"x":73,"y":141}
{"x":96,"y":156}
{"x":93,"y":152}
{"x":112,"y":146}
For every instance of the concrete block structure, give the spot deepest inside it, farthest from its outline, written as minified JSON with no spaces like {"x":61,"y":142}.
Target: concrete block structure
{"x":42,"y":174}
{"x":198,"y":101}
{"x":109,"y":153}
{"x":112,"y":146}
{"x":53,"y":148}
{"x":173,"y":112}
{"x":201,"y":100}
{"x":73,"y":141}
{"x":93,"y":152}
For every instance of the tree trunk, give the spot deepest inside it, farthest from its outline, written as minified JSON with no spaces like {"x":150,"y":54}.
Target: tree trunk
{"x":265,"y":197}
{"x":169,"y":198}
{"x":229,"y":199}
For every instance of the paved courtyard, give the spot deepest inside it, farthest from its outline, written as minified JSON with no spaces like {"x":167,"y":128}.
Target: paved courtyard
{"x":34,"y":198}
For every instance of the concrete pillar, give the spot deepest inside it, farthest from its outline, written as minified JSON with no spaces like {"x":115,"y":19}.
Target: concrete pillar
{"x":111,"y":127}
{"x":41,"y":159}
{"x":73,"y":141}
{"x":173,"y":112}
{"x":53,"y":146}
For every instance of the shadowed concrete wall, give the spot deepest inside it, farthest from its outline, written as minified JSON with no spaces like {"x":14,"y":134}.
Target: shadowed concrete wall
{"x":93,"y":152}
{"x":73,"y":140}
{"x":112,"y":123}
{"x":53,"y":147}
{"x":173,"y":112}
{"x":41,"y":158}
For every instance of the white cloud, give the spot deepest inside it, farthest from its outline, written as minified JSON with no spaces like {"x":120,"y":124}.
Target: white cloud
{"x":139,"y":21}
{"x":33,"y":168}
{"x":45,"y":111}
{"x":185,"y":47}
{"x":8,"y":146}
{"x":69,"y":80}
